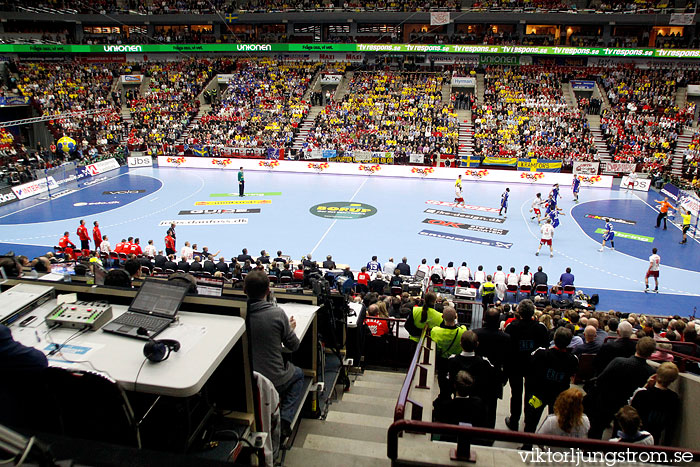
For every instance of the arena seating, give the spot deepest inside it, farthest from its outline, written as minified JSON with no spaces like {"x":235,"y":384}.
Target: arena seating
{"x":56,"y":88}
{"x":644,"y":122}
{"x":262,"y":107}
{"x":524,"y":114}
{"x":163,"y":113}
{"x":386,"y":111}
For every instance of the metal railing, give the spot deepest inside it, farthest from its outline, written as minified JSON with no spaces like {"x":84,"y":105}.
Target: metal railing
{"x":466,"y":433}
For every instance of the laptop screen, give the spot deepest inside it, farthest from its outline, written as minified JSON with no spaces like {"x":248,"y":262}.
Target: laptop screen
{"x":420,"y":275}
{"x":213,"y":286}
{"x":158,"y":297}
{"x":63,"y":268}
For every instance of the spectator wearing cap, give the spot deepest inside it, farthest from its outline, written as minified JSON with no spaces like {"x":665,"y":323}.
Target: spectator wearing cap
{"x":616,"y":384}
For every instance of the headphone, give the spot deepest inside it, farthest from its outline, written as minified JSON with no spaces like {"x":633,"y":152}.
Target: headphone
{"x":158,"y":350}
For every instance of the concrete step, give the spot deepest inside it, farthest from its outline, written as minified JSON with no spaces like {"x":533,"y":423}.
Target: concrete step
{"x":348,"y":431}
{"x":374,"y":450}
{"x":361,"y":408}
{"x":359,"y":419}
{"x":303,"y":457}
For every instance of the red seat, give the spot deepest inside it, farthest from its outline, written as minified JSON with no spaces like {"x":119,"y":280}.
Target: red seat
{"x":396,"y":291}
{"x":542,"y":289}
{"x":512,"y":288}
{"x":285,"y":280}
{"x":569,"y":289}
{"x":145,"y":270}
{"x":526,"y":289}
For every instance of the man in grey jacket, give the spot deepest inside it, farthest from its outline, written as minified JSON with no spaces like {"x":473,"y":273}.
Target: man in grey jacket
{"x":270,"y":329}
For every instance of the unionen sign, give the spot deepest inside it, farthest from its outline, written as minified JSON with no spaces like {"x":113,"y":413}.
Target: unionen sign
{"x":122,"y":48}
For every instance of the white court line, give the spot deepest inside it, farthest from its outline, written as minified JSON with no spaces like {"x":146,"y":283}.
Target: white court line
{"x":669,"y":220}
{"x":525,"y":219}
{"x":330,"y":227}
{"x":49,"y":200}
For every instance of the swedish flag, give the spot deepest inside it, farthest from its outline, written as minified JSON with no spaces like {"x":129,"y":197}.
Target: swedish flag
{"x":470,"y":161}
{"x":200,"y":150}
{"x":231,"y":17}
{"x":539,"y":165}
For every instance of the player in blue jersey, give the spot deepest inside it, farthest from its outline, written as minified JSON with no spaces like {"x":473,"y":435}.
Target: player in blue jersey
{"x":504,"y":202}
{"x":575,"y":187}
{"x":608,"y":235}
{"x":554,"y":216}
{"x":555,"y":192}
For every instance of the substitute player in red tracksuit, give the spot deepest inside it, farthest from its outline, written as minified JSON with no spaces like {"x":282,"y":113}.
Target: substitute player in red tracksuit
{"x":96,"y":235}
{"x":67,"y":246}
{"x":84,"y":237}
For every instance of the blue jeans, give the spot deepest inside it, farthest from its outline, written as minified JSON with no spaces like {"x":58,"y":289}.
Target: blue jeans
{"x":290,"y":394}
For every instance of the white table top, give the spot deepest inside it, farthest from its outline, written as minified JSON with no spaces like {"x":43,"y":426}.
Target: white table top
{"x":303,"y":315}
{"x":205,"y":340}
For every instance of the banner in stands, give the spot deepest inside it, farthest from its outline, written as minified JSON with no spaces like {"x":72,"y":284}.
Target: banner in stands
{"x":640,"y":184}
{"x":682,"y":19}
{"x":224,"y":78}
{"x":327,"y":78}
{"x":539,"y":165}
{"x":671,"y":191}
{"x":415,"y":158}
{"x":690,"y":202}
{"x":140,"y":161}
{"x":586,"y":168}
{"x":463,"y":81}
{"x":437,"y":173}
{"x":97,"y":168}
{"x":7,"y":196}
{"x":34,"y":188}
{"x":492,"y":54}
{"x":620,"y":167}
{"x":131,"y":79}
{"x":13,"y":100}
{"x":693,"y":90}
{"x":507,"y":161}
{"x":582,"y":85}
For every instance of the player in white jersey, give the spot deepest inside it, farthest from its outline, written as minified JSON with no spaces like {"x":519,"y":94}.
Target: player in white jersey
{"x":653,"y":271}
{"x":464,"y":274}
{"x":547,"y":234}
{"x":480,"y":275}
{"x":458,"y":192}
{"x":536,"y":205}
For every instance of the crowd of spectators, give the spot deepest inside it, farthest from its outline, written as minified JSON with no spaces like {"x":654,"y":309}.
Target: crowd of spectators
{"x":388,"y":111}
{"x":643,"y":123}
{"x":63,"y":87}
{"x":164,"y":111}
{"x":524,"y":114}
{"x":261,"y":107}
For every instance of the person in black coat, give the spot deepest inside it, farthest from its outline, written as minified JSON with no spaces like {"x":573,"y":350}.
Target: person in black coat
{"x":487,"y":379}
{"x":623,"y":346}
{"x":494,"y":345}
{"x":244,"y":256}
{"x":160,"y":260}
{"x":403,"y":267}
{"x":222,"y":265}
{"x":526,"y":336}
{"x":549,"y":374}
{"x":183,"y":265}
{"x":616,"y":384}
{"x":170,"y":263}
{"x":209,"y":265}
{"x":196,"y":265}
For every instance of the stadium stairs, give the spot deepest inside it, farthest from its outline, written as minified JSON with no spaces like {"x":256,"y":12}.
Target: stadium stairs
{"x":681,"y":97}
{"x":342,"y":88}
{"x":466,"y":135}
{"x":600,"y":144}
{"x":684,"y":140}
{"x":480,"y":88}
{"x":354,"y":428}
{"x":569,"y":96}
{"x":305,"y":127}
{"x":604,"y":98}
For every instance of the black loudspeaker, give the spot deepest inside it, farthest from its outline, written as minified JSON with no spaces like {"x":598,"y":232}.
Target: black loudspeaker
{"x":158,"y":350}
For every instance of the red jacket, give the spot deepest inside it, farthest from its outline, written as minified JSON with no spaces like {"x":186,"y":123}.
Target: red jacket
{"x":119,"y":247}
{"x":363,"y":278}
{"x":83,"y":233}
{"x":169,"y":242}
{"x":135,"y":249}
{"x":378,"y":327}
{"x":97,"y":235}
{"x":65,"y":242}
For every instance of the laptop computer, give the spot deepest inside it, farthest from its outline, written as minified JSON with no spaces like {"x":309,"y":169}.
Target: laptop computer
{"x":153,"y":309}
{"x":420,"y":275}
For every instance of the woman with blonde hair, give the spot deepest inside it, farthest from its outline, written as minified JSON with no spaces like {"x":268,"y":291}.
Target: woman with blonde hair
{"x":568,"y":419}
{"x":547,"y":321}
